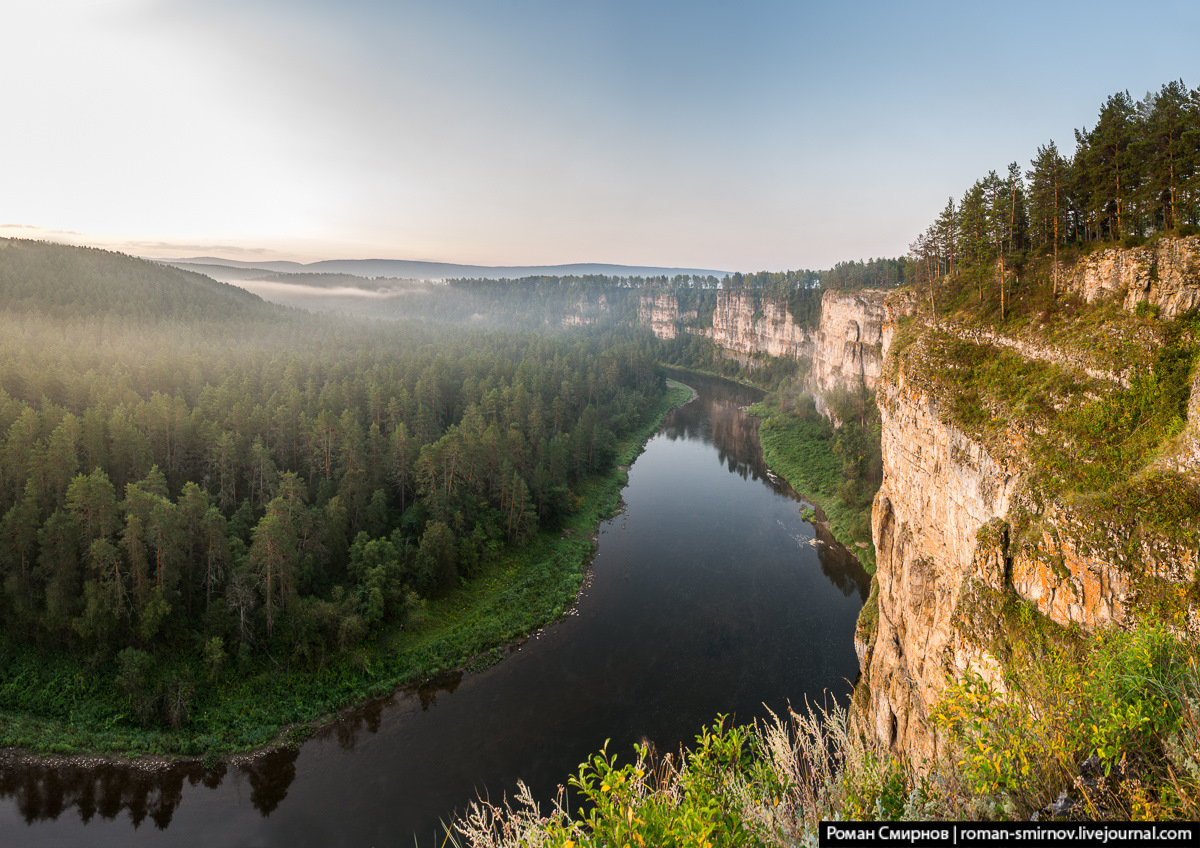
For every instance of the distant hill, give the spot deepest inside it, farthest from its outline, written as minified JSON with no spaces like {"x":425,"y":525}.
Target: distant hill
{"x":405,"y":269}
{"x":224,"y":273}
{"x":64,"y":281}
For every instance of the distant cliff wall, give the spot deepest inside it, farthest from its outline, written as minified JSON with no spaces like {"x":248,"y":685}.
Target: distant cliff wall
{"x":661,"y":314}
{"x":747,"y":324}
{"x":845,"y":348}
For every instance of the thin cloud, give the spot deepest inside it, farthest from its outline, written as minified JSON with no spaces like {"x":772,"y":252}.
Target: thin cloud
{"x":191,"y":248}
{"x":44,"y":230}
{"x":267,"y":288}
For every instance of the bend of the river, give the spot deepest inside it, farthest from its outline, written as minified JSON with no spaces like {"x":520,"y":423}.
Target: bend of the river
{"x":709,"y":595}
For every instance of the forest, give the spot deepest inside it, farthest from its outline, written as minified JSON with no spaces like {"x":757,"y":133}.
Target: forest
{"x":197,"y":484}
{"x":194,"y":477}
{"x":550,"y":304}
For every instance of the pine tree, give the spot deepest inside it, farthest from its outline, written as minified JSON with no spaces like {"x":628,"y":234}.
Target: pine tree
{"x":1108,"y":164}
{"x":1047,"y":197}
{"x":1167,"y":144}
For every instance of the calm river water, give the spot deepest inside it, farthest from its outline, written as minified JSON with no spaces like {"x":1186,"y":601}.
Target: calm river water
{"x":707,"y":597}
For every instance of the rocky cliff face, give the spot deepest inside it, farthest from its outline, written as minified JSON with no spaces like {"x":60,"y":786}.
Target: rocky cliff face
{"x":845,"y":348}
{"x":1166,"y":275}
{"x":848,"y":345}
{"x":746,"y":324}
{"x":661,"y":314}
{"x":963,"y":537}
{"x":939,"y":488}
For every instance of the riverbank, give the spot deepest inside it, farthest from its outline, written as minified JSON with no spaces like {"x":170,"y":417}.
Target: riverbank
{"x":66,"y":708}
{"x":675,"y":384}
{"x":802,"y":453}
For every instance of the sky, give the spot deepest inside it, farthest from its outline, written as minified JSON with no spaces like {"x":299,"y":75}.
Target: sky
{"x":731,"y":136}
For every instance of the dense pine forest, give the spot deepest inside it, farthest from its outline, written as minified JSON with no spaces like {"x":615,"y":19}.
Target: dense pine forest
{"x":191,"y":477}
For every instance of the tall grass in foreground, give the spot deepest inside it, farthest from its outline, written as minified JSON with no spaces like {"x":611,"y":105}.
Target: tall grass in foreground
{"x":1124,"y":743}
{"x":767,"y":784}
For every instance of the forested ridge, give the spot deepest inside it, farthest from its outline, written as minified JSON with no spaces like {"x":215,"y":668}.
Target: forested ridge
{"x":549,"y":303}
{"x":1134,"y":174}
{"x":191,"y":478}
{"x":551,"y":300}
{"x":52,"y":281}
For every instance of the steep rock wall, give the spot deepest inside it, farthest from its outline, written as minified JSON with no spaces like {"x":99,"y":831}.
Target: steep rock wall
{"x":963,"y":537}
{"x":1166,"y":275}
{"x":847,"y":346}
{"x":943,"y":525}
{"x":746,"y":324}
{"x":939,"y":489}
{"x":661,"y":314}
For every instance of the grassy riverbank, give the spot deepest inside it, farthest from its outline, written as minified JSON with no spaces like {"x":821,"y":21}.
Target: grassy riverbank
{"x":54,"y":702}
{"x":803,"y":451}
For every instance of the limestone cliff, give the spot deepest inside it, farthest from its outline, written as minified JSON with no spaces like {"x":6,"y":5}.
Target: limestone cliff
{"x":968,"y":528}
{"x":661,"y":314}
{"x":747,"y":324}
{"x":939,"y":488}
{"x":845,"y":348}
{"x":1166,"y":276}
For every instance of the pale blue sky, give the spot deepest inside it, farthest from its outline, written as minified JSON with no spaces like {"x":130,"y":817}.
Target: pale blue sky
{"x":736,"y":136}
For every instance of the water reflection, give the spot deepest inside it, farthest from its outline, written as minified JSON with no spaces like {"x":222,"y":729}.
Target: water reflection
{"x":718,"y":416}
{"x":428,"y":692}
{"x":45,"y":789}
{"x":270,"y":775}
{"x":841,"y":566}
{"x":348,"y":726}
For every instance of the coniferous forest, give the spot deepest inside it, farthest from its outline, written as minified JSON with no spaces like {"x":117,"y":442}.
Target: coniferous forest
{"x":193,"y":480}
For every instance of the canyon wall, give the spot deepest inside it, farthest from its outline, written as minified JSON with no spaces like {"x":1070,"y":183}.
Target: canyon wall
{"x":1165,"y":275}
{"x":939,"y":488}
{"x":845,"y":348}
{"x":971,"y":547}
{"x":661,"y":314}
{"x":746,"y":324}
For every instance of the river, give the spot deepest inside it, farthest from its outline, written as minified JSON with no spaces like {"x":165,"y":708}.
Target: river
{"x":707,"y":596}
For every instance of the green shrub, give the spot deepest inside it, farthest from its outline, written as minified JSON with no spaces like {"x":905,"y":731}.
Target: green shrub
{"x":1129,"y":703}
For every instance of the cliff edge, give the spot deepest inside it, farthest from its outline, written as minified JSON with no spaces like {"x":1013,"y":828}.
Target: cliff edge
{"x":1040,"y":471}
